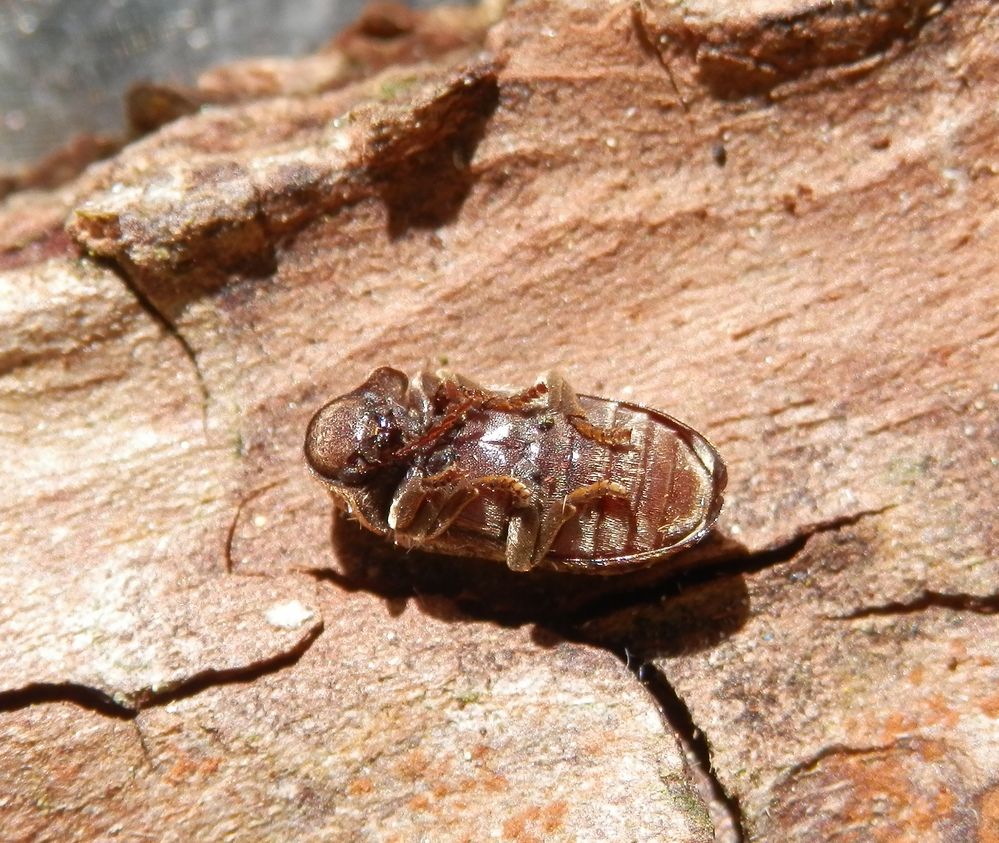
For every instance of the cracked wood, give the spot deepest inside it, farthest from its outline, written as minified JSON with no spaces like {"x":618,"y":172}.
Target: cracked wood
{"x":821,"y":298}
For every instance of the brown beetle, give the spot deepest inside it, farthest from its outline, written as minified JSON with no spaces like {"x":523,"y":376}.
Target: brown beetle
{"x":539,"y":477}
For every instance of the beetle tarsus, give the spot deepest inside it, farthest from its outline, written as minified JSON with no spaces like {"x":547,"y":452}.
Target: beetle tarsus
{"x":424,"y":508}
{"x":562,"y":397}
{"x":614,"y":437}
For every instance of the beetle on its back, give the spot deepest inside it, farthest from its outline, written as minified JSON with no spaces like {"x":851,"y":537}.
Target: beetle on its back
{"x":539,"y":477}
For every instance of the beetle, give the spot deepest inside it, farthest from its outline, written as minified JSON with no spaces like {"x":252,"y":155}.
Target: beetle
{"x":541,"y":477}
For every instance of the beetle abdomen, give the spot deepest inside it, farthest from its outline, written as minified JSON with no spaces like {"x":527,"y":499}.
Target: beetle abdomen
{"x":673,"y":477}
{"x":671,"y":473}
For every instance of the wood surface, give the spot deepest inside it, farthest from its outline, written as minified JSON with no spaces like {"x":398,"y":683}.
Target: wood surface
{"x":775,"y":220}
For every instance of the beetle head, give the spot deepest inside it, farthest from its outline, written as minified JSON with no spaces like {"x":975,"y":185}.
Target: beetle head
{"x":354,"y":436}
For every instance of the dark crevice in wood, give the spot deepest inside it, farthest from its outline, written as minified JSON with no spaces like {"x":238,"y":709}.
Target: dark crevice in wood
{"x":89,"y":699}
{"x":234,"y":676}
{"x":167,"y":324}
{"x":649,"y":44}
{"x":97,"y":701}
{"x":977,"y":604}
{"x":837,"y":749}
{"x":739,"y":563}
{"x":756,"y":561}
{"x":234,"y":523}
{"x":724,"y":808}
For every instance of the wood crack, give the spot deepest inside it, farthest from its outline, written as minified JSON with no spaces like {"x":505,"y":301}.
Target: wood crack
{"x":234,"y":523}
{"x":211,"y":678}
{"x":722,"y":567}
{"x":723,"y":807}
{"x":82,"y":696}
{"x":810,"y":763}
{"x":100,"y":702}
{"x":929,"y":599}
{"x":651,"y":45}
{"x":168,"y":326}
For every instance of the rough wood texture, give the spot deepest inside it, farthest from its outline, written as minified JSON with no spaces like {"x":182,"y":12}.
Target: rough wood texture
{"x":776,"y":220}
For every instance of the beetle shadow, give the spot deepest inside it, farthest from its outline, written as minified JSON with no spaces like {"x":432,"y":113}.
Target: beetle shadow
{"x":684,"y":604}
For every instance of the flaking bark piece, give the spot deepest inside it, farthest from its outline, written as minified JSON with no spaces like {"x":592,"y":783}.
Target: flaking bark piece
{"x":141,"y":640}
{"x":386,"y":35}
{"x":199,"y":218}
{"x":113,"y":505}
{"x":344,"y":745}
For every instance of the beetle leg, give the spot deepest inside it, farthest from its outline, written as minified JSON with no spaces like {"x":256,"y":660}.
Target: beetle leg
{"x":520,"y":494}
{"x":611,"y":436}
{"x":406,"y":501}
{"x":562,"y":397}
{"x":522,"y":529}
{"x":447,"y":377}
{"x":422,"y":389}
{"x":413,"y":494}
{"x":424,"y":507}
{"x":521,"y":539}
{"x":452,"y":507}
{"x":518,"y":401}
{"x":457,"y":388}
{"x":449,"y":474}
{"x":426,"y":513}
{"x":560,"y":513}
{"x":466,"y":491}
{"x":453,"y":388}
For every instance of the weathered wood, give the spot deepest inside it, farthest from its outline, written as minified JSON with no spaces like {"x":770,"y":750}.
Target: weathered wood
{"x":775,"y":220}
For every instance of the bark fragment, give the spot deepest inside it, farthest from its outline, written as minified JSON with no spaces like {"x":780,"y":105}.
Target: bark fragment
{"x":329,"y":748}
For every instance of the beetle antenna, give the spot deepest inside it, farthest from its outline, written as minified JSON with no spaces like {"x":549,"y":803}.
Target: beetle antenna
{"x":453,"y":417}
